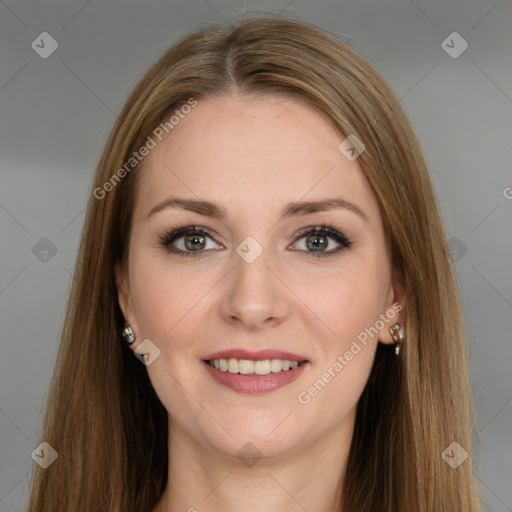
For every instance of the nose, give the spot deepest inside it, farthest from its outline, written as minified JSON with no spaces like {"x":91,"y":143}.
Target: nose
{"x":255,"y":295}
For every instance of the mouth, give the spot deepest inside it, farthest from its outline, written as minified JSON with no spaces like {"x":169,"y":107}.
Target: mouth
{"x":254,"y":367}
{"x":256,"y":372}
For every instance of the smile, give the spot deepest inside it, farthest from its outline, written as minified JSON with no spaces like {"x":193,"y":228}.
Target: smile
{"x":254,"y":377}
{"x":249,"y":367}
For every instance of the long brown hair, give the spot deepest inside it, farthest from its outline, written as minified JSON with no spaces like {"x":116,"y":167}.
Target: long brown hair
{"x":102,"y":415}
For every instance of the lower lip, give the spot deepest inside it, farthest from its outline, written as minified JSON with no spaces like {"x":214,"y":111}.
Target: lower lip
{"x":255,"y":384}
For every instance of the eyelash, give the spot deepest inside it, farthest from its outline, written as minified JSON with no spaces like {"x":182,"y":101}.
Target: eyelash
{"x":168,"y":237}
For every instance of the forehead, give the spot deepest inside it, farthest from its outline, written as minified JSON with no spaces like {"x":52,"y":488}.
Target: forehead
{"x":260,"y":152}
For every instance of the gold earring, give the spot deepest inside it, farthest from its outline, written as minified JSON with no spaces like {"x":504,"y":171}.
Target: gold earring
{"x":398,"y":335}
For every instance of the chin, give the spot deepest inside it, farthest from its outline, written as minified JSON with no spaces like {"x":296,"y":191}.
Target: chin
{"x":254,"y":436}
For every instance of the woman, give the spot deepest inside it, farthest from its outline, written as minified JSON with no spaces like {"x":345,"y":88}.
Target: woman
{"x":263,"y":236}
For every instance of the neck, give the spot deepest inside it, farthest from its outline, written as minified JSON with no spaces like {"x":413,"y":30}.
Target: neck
{"x":203,"y":479}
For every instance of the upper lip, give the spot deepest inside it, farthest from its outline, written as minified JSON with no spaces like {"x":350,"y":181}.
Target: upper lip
{"x":260,"y":355}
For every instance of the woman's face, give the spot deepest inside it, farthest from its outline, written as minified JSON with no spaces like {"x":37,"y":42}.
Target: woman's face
{"x":257,"y":278}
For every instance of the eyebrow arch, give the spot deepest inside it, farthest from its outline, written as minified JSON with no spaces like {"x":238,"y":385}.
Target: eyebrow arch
{"x":212,"y":209}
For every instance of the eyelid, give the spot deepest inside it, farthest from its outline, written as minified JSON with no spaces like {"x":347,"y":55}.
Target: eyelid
{"x":170,"y":234}
{"x":329,"y":232}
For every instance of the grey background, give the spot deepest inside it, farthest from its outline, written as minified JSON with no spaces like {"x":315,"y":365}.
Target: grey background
{"x":57,"y":112}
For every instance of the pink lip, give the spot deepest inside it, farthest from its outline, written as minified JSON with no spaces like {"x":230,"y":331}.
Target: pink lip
{"x":254,"y":384}
{"x":260,"y":355}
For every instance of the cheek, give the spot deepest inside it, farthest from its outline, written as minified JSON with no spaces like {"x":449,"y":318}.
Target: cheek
{"x":163,"y":296}
{"x":336,"y":382}
{"x":331,"y":397}
{"x":349,"y":304}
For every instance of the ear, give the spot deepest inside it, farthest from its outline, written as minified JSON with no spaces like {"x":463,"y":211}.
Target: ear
{"x":124,"y":296}
{"x":395,"y":311}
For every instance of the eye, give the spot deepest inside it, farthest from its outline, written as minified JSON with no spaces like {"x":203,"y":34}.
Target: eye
{"x":187,"y":241}
{"x":192,"y":241}
{"x":317,"y":239}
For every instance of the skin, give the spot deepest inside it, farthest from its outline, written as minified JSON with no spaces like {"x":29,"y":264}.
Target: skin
{"x":253,"y":156}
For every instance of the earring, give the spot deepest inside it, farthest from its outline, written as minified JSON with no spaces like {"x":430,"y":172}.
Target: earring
{"x":398,"y":335}
{"x":128,"y":335}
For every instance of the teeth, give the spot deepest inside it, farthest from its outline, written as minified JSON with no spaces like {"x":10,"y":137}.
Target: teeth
{"x":245,"y":367}
{"x":248,"y":367}
{"x":262,"y":367}
{"x":276,"y":365}
{"x":233,"y":366}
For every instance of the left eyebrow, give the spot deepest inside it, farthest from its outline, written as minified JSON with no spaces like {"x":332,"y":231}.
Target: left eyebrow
{"x":309,"y":207}
{"x":212,"y":209}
